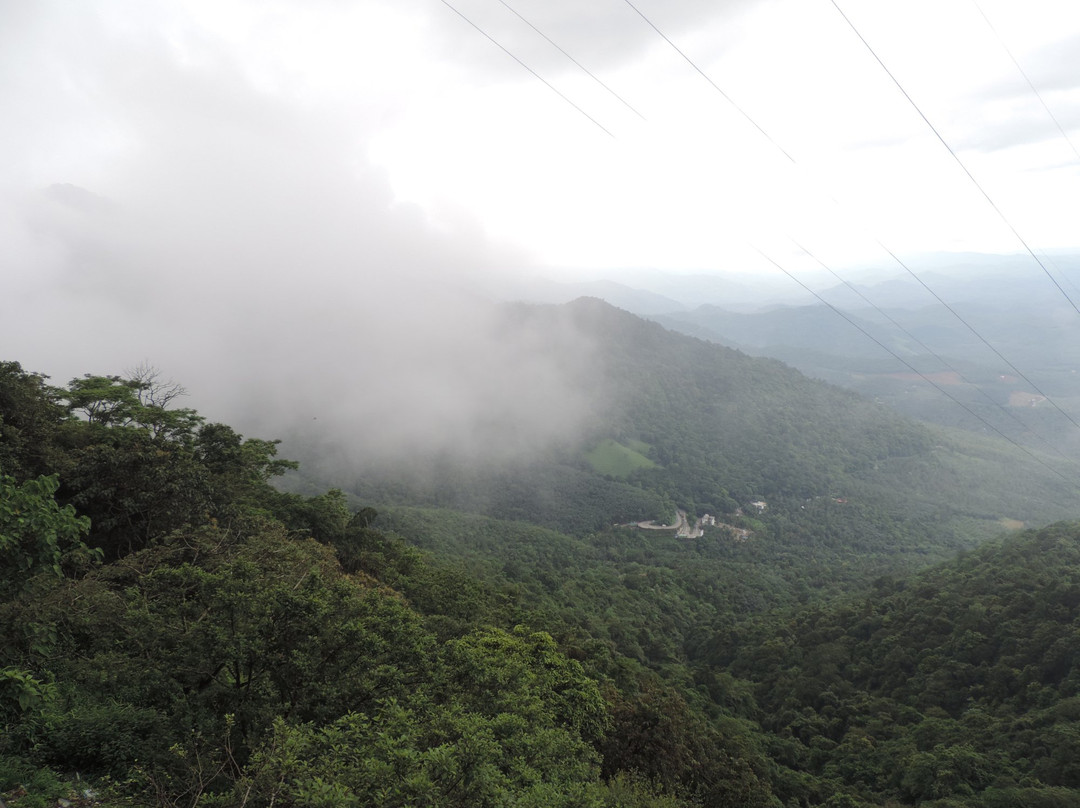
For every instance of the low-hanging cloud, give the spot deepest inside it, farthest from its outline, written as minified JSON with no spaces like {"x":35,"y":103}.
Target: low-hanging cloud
{"x":238,"y":240}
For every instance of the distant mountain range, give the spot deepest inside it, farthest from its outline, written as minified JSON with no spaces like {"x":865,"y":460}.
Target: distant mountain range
{"x":648,"y":292}
{"x":958,"y":278}
{"x":1003,"y":330}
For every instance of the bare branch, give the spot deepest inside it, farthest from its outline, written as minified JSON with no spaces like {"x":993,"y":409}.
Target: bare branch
{"x":152,"y":389}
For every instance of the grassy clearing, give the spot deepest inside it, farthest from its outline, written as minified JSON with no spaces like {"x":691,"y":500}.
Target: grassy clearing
{"x":613,"y":459}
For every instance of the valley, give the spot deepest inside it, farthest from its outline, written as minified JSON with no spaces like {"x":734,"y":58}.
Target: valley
{"x":533,"y":404}
{"x":955,"y":366}
{"x":736,"y":585}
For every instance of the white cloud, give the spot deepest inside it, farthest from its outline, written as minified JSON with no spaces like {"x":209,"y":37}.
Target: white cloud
{"x":235,"y":235}
{"x":283,"y":178}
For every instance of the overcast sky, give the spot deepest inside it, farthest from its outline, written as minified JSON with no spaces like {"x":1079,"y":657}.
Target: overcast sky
{"x":413,"y":94}
{"x":275,"y":169}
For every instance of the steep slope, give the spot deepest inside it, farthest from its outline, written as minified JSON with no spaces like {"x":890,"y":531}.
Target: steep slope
{"x":961,"y":683}
{"x":724,"y":429}
{"x":717,"y":419}
{"x":202,"y":636}
{"x":179,"y":633}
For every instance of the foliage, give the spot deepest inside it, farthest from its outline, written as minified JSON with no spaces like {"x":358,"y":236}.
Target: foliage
{"x":29,"y":414}
{"x":29,"y":786}
{"x":965,"y":675}
{"x":35,"y":532}
{"x":724,"y":429}
{"x":504,"y":723}
{"x":509,"y":644}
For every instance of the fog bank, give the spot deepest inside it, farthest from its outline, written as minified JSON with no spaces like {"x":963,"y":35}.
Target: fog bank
{"x":236,"y":237}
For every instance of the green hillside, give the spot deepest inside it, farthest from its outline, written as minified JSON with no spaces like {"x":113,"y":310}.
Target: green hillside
{"x":960,"y":686}
{"x":724,"y":429}
{"x":953,"y":687}
{"x":612,"y":459}
{"x":183,"y":632}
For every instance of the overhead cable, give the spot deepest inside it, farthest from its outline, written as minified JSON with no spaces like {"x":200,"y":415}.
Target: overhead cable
{"x":572,"y":59}
{"x":1038,"y":95}
{"x":980,"y":337}
{"x":955,"y":157}
{"x":930,"y":351}
{"x":549,"y":85}
{"x":913,"y":369}
{"x":707,"y":78}
{"x":893,"y":255}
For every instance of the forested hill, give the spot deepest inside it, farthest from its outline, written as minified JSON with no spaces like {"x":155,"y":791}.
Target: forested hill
{"x":181,"y":633}
{"x":960,"y":686}
{"x":679,"y":423}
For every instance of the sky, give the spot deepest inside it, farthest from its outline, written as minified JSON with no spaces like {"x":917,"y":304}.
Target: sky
{"x":793,"y":132}
{"x":284,"y":192}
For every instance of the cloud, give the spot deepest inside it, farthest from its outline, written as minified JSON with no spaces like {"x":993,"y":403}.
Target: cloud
{"x":1056,"y":66}
{"x":603,"y":35}
{"x":237,"y":238}
{"x":1003,"y":111}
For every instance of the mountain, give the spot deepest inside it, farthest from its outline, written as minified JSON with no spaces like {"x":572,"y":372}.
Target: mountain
{"x":647,"y":292}
{"x":718,"y":429}
{"x":735,"y":291}
{"x":813,"y":328}
{"x":957,"y":684}
{"x":544,"y":290}
{"x":850,"y":629}
{"x":1007,"y":342}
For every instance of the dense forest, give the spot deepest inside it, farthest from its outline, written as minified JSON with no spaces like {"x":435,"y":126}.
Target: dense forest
{"x":712,"y":429}
{"x":192,"y":620}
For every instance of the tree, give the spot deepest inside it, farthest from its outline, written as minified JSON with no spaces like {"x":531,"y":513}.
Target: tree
{"x":135,"y":488}
{"x":244,"y":622}
{"x":151,"y":389}
{"x":29,"y":415}
{"x":141,"y":470}
{"x":502,"y":721}
{"x":35,"y":532}
{"x":141,"y":401}
{"x":104,"y":400}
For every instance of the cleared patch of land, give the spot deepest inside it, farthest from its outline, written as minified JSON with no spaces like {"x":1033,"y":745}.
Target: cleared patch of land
{"x":613,"y":459}
{"x":1022,"y":398}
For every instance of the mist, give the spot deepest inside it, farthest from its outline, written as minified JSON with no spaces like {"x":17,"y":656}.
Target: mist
{"x":237,"y":239}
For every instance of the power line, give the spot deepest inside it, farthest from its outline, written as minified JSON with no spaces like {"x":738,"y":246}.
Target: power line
{"x":715,"y":86}
{"x":981,"y":338}
{"x":928,"y":350}
{"x":893,"y":255}
{"x":572,"y":59}
{"x":1050,"y":260}
{"x":792,"y":160}
{"x":955,"y":157}
{"x":1045,"y":106}
{"x":1038,"y":95}
{"x":549,"y":85}
{"x":911,"y":367}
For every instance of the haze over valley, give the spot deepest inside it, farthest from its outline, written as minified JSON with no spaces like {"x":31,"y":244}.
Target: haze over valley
{"x":537,"y":403}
